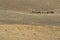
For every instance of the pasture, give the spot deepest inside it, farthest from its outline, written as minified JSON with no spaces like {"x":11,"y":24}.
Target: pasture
{"x":18,"y":21}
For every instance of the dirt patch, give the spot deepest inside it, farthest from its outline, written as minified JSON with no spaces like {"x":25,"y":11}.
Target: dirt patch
{"x":29,"y":32}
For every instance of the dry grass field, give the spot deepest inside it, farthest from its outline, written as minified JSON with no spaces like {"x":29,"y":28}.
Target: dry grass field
{"x":29,"y":32}
{"x":15,"y":17}
{"x":17,"y":22}
{"x":29,"y":5}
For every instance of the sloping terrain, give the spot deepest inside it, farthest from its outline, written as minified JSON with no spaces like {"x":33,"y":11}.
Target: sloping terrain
{"x":14,"y":17}
{"x":20,"y":12}
{"x":29,"y":5}
{"x":29,"y":32}
{"x":34,"y":26}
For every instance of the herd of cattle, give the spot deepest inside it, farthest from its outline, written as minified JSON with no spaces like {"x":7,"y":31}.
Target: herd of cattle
{"x":43,"y":12}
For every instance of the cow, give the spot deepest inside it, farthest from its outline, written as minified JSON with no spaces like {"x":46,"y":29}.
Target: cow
{"x":43,"y":12}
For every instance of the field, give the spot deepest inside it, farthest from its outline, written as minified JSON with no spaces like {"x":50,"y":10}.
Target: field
{"x":20,"y":12}
{"x":17,"y":22}
{"x":29,"y":5}
{"x":14,"y":17}
{"x":29,"y":32}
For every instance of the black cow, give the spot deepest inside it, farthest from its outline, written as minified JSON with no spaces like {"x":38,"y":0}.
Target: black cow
{"x":43,"y":12}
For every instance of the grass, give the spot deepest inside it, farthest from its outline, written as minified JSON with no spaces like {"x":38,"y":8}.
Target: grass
{"x":13,"y":12}
{"x":28,"y":5}
{"x":15,"y":17}
{"x":10,"y":21}
{"x":29,"y":32}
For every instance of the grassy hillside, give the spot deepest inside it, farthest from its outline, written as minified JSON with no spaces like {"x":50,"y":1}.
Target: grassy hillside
{"x":19,"y":12}
{"x":13,"y":13}
{"x":14,"y":17}
{"x":28,"y":5}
